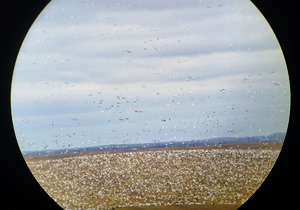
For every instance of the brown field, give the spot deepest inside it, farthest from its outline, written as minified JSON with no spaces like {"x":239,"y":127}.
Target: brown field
{"x":197,"y":178}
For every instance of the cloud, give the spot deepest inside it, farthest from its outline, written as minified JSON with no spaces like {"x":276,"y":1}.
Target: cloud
{"x":204,"y":67}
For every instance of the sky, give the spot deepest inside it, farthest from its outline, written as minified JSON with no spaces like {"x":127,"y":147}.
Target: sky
{"x":117,"y":72}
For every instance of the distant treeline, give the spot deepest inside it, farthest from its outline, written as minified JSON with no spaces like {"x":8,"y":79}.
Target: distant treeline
{"x":277,"y":137}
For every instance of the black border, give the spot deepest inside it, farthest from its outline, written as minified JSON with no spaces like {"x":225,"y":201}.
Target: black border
{"x":279,"y":190}
{"x":19,"y":190}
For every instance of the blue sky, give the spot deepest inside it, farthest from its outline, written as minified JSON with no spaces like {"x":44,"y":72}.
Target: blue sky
{"x":100,"y":72}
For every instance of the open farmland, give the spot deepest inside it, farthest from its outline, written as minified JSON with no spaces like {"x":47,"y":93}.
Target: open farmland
{"x":216,"y":176}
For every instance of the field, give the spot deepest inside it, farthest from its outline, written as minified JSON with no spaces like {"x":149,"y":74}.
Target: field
{"x":222,"y":177}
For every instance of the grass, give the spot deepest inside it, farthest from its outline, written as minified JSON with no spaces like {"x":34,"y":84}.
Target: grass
{"x":185,"y":207}
{"x":217,"y":177}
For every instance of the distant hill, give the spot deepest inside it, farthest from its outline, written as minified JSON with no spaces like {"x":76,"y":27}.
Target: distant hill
{"x":276,"y":137}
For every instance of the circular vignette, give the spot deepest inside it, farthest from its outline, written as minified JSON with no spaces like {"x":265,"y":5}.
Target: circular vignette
{"x":285,"y":148}
{"x":20,"y":187}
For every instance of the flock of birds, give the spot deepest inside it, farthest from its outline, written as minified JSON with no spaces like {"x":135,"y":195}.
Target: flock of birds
{"x":157,"y":177}
{"x":127,"y":113}
{"x":131,"y":118}
{"x":128,"y":118}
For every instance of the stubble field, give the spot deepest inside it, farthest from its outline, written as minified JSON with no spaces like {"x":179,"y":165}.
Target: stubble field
{"x":197,"y":178}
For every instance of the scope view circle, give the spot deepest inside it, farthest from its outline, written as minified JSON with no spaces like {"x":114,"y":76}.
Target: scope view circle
{"x":120,"y":104}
